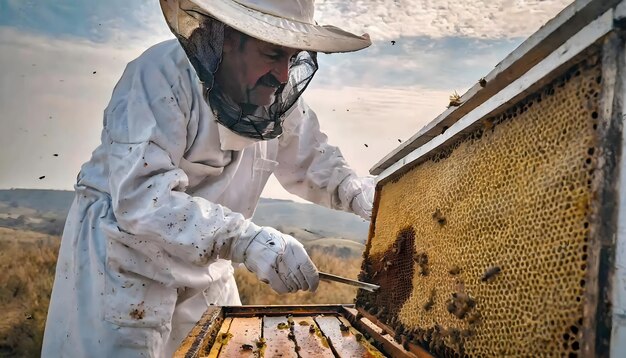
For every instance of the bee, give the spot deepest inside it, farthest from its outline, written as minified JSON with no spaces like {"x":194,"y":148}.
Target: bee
{"x":439,"y":218}
{"x":392,"y":320}
{"x":405,"y":345}
{"x":261,"y":342}
{"x":455,"y":100}
{"x":399,"y":330}
{"x":395,"y":249}
{"x":247,"y":347}
{"x":490,"y":273}
{"x":482,"y":82}
{"x":454,"y":270}
{"x":473,"y":318}
{"x":455,"y":336}
{"x":343,"y":327}
{"x":466,"y":333}
{"x":460,"y":304}
{"x":487,"y":124}
{"x":422,"y":260}
{"x":431,"y":301}
{"x":312,"y":329}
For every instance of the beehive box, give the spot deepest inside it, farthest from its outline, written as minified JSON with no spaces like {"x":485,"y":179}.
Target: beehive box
{"x":498,"y":228}
{"x":289,"y":331}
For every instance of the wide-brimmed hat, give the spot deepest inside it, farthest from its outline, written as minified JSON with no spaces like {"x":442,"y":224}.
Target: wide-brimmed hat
{"x":286,"y":23}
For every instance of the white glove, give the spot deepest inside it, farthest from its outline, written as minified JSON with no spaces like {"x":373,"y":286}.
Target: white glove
{"x":363,"y":201}
{"x":277,"y":259}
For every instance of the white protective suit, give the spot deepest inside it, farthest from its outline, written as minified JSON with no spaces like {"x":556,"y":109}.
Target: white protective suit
{"x":146,"y":244}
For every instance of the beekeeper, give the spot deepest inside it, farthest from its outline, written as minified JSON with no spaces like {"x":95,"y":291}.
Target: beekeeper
{"x":193,"y":130}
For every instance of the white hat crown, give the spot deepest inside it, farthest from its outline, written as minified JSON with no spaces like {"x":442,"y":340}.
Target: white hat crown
{"x":296,"y":10}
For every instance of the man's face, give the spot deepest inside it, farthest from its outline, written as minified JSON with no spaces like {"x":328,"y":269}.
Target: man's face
{"x":252,"y":70}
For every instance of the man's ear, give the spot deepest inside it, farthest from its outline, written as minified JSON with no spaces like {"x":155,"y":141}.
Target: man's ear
{"x":232,"y":40}
{"x":229,"y":42}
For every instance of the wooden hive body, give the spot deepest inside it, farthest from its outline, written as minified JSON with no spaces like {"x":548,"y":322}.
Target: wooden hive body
{"x":498,"y":228}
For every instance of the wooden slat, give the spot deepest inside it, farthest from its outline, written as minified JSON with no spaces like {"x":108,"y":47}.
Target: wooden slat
{"x":384,"y":334}
{"x":277,"y":339}
{"x":311,"y":345}
{"x":344,"y":343}
{"x":220,"y":338}
{"x":359,"y":337}
{"x":245,"y":331}
{"x":277,"y":310}
{"x":202,"y":335}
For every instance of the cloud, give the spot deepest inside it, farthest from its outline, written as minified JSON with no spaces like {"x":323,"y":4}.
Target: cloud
{"x":444,"y":63}
{"x":97,"y":21}
{"x":391,"y":19}
{"x":52,"y":103}
{"x":382,"y":19}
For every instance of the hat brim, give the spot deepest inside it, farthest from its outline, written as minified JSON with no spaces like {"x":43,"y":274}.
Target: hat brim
{"x":283,"y":32}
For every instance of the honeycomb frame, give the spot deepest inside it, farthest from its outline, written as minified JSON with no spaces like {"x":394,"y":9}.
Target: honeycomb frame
{"x":448,"y":309}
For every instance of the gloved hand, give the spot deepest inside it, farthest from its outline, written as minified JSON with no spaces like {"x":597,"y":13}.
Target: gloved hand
{"x":362,"y":202}
{"x":277,"y":259}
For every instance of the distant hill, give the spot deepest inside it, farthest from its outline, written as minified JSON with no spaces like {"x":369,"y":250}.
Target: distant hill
{"x":45,"y":211}
{"x":57,"y":201}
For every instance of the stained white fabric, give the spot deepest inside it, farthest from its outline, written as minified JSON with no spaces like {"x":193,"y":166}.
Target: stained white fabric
{"x":159,"y":208}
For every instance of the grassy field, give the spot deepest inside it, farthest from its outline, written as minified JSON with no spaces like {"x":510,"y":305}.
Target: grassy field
{"x":27,"y":261}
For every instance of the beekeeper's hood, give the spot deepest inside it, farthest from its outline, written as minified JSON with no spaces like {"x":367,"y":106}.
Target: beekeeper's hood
{"x":199,"y":26}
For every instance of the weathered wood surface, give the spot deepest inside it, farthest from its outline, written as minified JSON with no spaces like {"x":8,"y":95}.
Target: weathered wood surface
{"x":202,"y":334}
{"x":245,"y":335}
{"x":276,"y":333}
{"x":311,"y":342}
{"x":344,"y":342}
{"x":220,"y":339}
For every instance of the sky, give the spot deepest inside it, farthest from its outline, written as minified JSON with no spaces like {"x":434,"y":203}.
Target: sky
{"x":60,"y":61}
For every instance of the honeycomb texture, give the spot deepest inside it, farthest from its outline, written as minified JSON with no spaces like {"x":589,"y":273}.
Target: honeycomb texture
{"x":501,"y":225}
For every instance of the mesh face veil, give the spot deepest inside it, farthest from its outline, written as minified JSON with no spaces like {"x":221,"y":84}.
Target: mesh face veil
{"x":202,"y":38}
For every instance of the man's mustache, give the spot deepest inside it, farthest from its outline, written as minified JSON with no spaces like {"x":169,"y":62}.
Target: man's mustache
{"x":269,"y":80}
